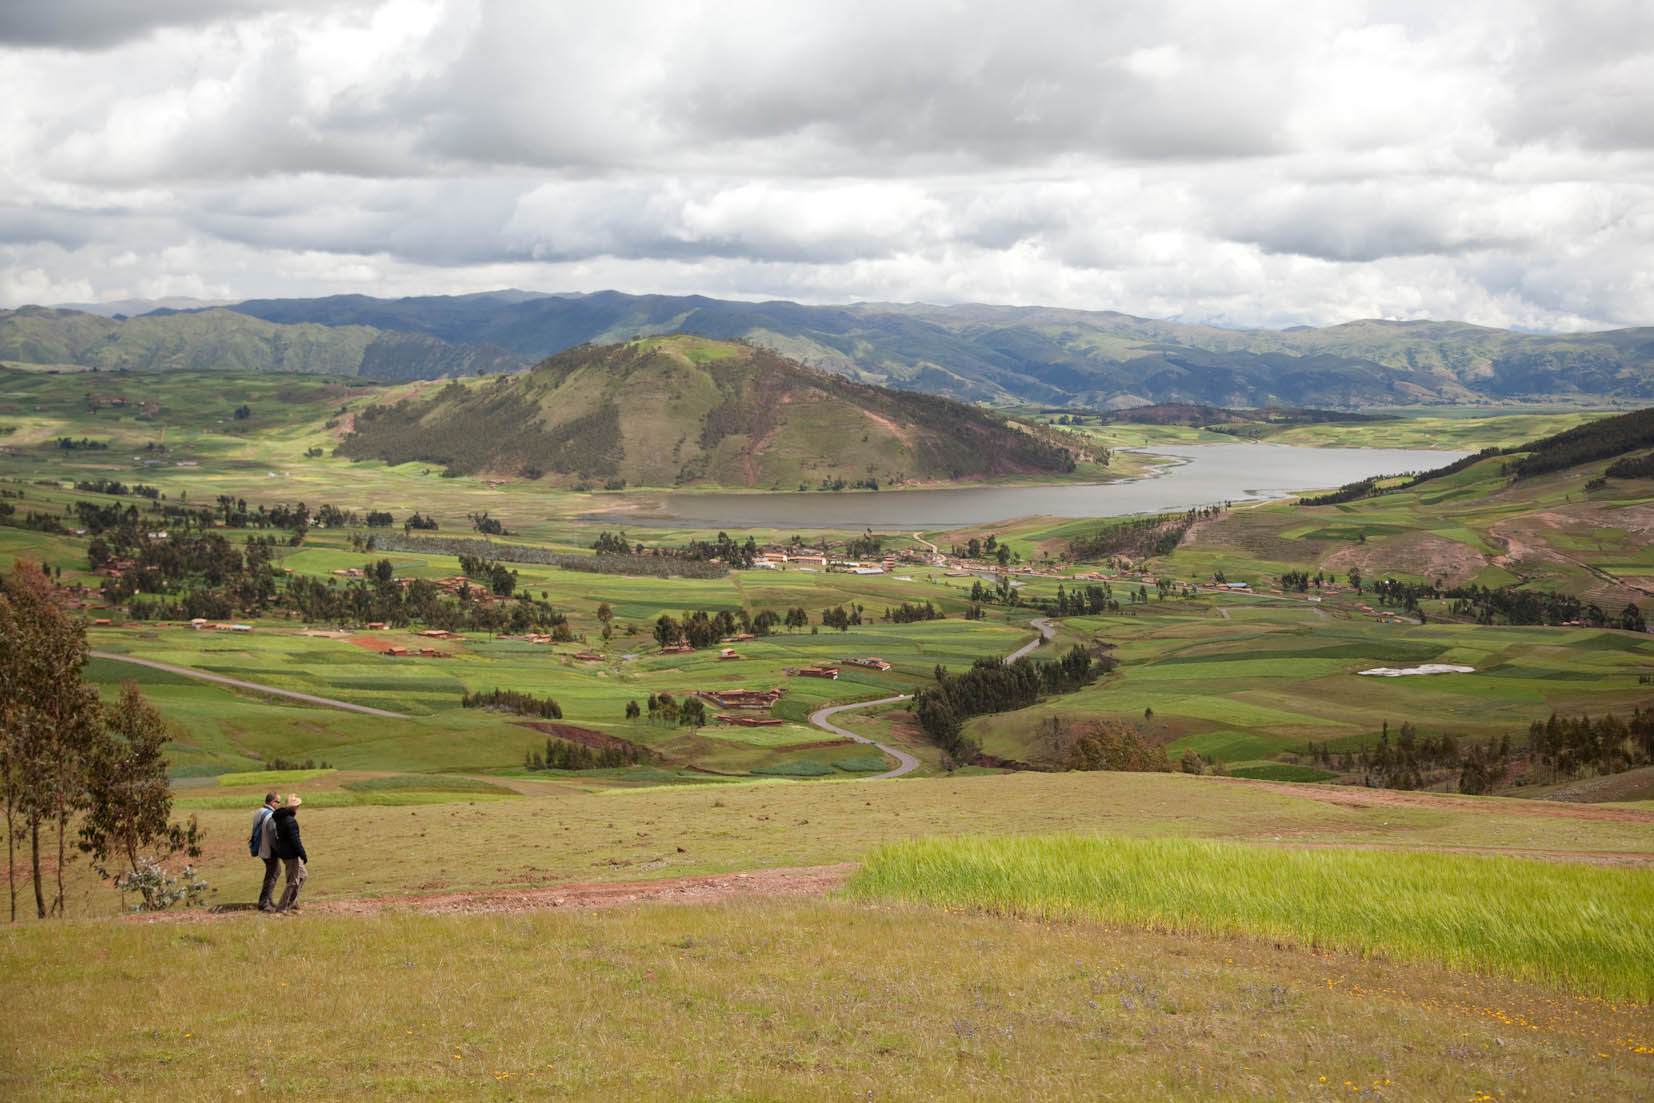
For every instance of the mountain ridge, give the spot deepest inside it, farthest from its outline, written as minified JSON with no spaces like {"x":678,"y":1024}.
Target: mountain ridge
{"x":221,"y":340}
{"x":996,"y":354}
{"x":1052,"y":355}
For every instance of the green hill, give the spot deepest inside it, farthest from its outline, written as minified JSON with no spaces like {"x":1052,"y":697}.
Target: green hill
{"x":225,"y":341}
{"x":678,"y":410}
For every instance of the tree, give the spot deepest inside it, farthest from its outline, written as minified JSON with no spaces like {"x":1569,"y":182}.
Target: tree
{"x":632,"y":711}
{"x":48,"y":719}
{"x":692,"y":713}
{"x":243,"y":412}
{"x":129,"y":803}
{"x":667,"y":630}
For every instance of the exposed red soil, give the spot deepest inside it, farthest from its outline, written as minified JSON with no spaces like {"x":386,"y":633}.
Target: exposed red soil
{"x":586,"y":737}
{"x":801,"y":881}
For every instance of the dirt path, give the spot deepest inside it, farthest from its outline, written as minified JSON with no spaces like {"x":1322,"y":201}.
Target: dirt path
{"x":1351,"y":796}
{"x":798,"y":881}
{"x":713,"y":888}
{"x":308,"y":698}
{"x":822,"y":718}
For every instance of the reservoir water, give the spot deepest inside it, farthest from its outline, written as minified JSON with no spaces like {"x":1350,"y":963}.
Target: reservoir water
{"x":1201,"y":475}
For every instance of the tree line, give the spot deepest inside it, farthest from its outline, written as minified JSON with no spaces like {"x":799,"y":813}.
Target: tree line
{"x":187,"y":576}
{"x":512,"y":701}
{"x":1579,"y":746}
{"x":563,"y":754}
{"x":626,"y":564}
{"x":701,"y":629}
{"x":1138,"y":537}
{"x":666,"y":709}
{"x":992,"y":685}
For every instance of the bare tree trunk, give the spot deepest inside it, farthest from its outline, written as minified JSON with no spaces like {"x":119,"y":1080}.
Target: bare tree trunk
{"x":34,"y":857}
{"x":11,"y":854}
{"x":62,"y":827}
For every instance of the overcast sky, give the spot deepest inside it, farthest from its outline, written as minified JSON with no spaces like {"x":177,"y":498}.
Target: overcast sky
{"x":1243,"y":163}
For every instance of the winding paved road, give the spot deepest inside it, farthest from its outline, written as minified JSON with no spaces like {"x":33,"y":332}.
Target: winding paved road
{"x":821,"y":718}
{"x":906,"y":763}
{"x":1045,"y":629}
{"x":308,"y":698}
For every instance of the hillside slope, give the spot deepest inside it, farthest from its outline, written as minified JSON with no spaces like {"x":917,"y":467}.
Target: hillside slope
{"x":1570,"y":514}
{"x":679,"y":410}
{"x":1046,"y":355}
{"x":226,"y":341}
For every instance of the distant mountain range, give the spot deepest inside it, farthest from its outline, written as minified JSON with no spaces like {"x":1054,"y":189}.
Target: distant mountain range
{"x":1032,"y":355}
{"x":225,"y":341}
{"x":680,"y":410}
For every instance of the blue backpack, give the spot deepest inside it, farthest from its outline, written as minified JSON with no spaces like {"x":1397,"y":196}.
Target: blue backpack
{"x":258,"y":832}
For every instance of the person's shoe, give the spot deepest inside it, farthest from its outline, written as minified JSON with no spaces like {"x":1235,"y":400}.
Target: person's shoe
{"x":268,"y":908}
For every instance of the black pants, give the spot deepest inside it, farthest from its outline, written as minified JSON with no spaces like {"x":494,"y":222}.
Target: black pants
{"x":272,"y":873}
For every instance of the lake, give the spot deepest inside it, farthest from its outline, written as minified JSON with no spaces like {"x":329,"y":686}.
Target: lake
{"x":1205,"y":474}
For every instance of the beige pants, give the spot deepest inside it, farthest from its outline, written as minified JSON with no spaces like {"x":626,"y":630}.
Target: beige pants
{"x":295,"y":880}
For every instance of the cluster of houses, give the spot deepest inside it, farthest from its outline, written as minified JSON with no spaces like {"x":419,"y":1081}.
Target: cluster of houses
{"x":806,"y":559}
{"x":397,"y":652}
{"x":201,"y":624}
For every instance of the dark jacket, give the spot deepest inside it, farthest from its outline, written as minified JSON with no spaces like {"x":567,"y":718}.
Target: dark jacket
{"x":288,"y":844}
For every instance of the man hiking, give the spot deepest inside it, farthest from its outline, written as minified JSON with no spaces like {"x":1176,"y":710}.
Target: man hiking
{"x":263,"y":845}
{"x":290,"y":849}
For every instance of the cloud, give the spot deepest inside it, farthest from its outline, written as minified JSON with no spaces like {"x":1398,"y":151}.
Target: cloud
{"x":99,"y":24}
{"x":1259,"y":164}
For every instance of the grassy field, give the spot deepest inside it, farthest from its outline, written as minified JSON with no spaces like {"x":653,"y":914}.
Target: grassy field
{"x":757,"y":1000}
{"x":816,"y":998}
{"x":1274,"y":675}
{"x":582,"y":828}
{"x":238,"y":728}
{"x":1574,"y":926}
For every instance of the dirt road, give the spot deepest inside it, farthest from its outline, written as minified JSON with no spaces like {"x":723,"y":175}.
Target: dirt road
{"x":706,"y":889}
{"x":308,"y":698}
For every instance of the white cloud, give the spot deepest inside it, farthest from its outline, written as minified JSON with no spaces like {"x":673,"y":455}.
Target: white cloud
{"x":1260,"y":164}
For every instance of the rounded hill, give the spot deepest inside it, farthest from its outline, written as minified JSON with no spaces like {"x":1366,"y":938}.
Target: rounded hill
{"x":677,"y":410}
